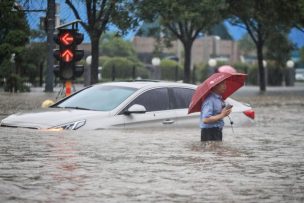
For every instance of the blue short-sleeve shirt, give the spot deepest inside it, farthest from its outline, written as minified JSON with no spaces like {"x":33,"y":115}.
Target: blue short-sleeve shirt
{"x":212,"y":105}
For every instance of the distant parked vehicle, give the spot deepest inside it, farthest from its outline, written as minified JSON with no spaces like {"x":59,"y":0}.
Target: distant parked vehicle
{"x":124,"y":105}
{"x":300,"y":74}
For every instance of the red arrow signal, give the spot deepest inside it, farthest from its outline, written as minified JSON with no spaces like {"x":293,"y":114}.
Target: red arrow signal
{"x":66,"y":38}
{"x":67,"y":55}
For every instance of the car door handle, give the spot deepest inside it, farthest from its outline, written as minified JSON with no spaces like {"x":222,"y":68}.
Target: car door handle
{"x":168,"y":121}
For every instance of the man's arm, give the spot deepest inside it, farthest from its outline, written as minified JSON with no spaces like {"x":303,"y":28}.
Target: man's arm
{"x":225,"y":112}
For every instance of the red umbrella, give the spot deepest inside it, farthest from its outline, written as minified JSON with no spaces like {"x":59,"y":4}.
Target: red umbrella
{"x":233,"y":82}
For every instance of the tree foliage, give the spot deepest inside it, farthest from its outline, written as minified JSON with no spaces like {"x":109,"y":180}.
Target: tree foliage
{"x":14,"y":30}
{"x":221,"y":31}
{"x":302,"y":54}
{"x":261,"y":19}
{"x":292,"y":13}
{"x":278,"y":49}
{"x":14,"y":35}
{"x":99,"y":15}
{"x":111,"y":45}
{"x":184,"y":19}
{"x":246,"y":44}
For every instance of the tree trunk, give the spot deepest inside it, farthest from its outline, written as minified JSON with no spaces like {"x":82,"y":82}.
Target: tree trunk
{"x":95,"y":56}
{"x":187,"y":62}
{"x":50,"y":42}
{"x":41,"y":74}
{"x":262,"y":81}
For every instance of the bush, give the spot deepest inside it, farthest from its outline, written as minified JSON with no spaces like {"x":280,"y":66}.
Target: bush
{"x":202,"y":72}
{"x":242,"y":67}
{"x":123,"y":68}
{"x":252,"y":77}
{"x":15,"y":83}
{"x":170,"y":70}
{"x":274,"y":75}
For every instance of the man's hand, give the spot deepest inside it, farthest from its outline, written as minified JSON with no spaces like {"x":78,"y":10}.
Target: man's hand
{"x":225,"y":112}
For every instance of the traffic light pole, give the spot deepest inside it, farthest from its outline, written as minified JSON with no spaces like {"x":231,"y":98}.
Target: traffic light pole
{"x":67,"y":53}
{"x":50,"y":60}
{"x":68,"y":88}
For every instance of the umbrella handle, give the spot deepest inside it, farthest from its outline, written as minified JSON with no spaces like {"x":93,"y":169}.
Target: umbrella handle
{"x":231,"y":123}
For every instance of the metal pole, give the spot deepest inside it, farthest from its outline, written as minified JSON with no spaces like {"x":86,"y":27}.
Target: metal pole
{"x":50,"y":42}
{"x":133,"y":72}
{"x":113,"y":73}
{"x":68,"y":88}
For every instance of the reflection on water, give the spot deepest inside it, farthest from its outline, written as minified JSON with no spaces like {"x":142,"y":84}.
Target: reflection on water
{"x":259,"y":164}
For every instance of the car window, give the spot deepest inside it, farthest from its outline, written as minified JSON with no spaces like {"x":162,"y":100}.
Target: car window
{"x":182,"y":97}
{"x":153,"y":100}
{"x":100,"y":98}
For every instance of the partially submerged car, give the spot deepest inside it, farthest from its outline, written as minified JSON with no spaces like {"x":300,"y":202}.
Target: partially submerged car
{"x":124,"y":105}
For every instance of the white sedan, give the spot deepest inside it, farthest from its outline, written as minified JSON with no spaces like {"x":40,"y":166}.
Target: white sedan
{"x":124,"y":105}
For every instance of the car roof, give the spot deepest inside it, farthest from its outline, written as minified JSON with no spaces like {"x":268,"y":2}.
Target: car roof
{"x":148,"y":84}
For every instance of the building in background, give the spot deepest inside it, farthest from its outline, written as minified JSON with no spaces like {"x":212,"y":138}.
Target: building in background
{"x":218,"y":44}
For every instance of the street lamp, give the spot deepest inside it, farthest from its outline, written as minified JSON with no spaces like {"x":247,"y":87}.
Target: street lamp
{"x":212,"y":64}
{"x":265,"y":71}
{"x":290,"y":64}
{"x":156,"y":63}
{"x":87,"y":71}
{"x":264,"y":64}
{"x":89,"y":60}
{"x":215,"y":48}
{"x":290,"y":73}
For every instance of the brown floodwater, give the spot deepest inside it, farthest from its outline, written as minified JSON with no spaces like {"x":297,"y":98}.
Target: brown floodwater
{"x":263,"y":163}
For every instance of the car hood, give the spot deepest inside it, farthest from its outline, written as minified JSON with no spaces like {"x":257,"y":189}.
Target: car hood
{"x":47,"y":118}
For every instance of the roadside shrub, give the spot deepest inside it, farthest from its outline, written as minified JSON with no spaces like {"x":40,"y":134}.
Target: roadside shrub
{"x":16,"y":83}
{"x":241,"y":67}
{"x":252,"y":77}
{"x":171,"y":70}
{"x":122,"y":68}
{"x":202,"y":72}
{"x":274,"y":75}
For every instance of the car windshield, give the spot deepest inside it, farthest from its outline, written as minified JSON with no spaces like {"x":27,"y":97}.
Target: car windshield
{"x":99,"y":98}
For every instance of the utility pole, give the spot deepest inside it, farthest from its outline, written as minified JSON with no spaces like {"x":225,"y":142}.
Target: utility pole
{"x":50,"y":42}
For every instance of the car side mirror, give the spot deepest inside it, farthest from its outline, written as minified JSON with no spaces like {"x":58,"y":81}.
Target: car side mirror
{"x":136,"y":108}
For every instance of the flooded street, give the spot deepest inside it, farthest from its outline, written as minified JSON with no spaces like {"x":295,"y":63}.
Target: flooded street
{"x":263,"y":163}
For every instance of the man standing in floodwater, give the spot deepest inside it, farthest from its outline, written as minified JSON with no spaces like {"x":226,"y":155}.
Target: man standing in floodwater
{"x":213,"y":111}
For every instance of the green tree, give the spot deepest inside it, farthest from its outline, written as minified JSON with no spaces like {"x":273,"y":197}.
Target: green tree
{"x":32,"y":65}
{"x":246,"y":44}
{"x":302,"y":54}
{"x":99,"y":14}
{"x":120,"y":54}
{"x":14,"y":35}
{"x":184,"y":19}
{"x":112,"y":45}
{"x":278,"y":48}
{"x":261,"y":19}
{"x":292,"y":13}
{"x":221,"y":31}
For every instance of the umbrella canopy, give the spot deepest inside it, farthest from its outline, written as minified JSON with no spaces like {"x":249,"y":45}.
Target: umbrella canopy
{"x":233,"y":82}
{"x":226,"y":69}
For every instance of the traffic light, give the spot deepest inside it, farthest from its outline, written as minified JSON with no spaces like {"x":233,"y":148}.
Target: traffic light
{"x":68,"y":55}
